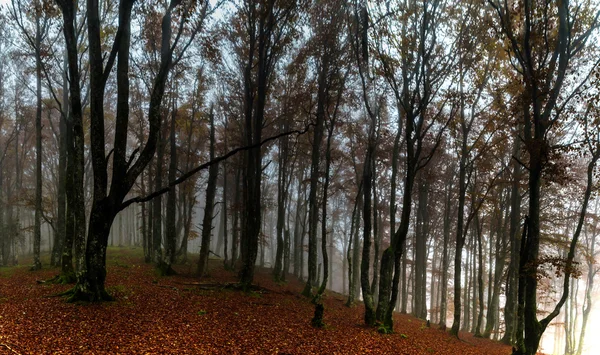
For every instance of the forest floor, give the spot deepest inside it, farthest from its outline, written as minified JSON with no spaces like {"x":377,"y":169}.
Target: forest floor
{"x":175,"y":315}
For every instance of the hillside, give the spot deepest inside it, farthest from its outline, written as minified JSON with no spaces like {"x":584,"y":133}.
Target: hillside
{"x":175,"y":315}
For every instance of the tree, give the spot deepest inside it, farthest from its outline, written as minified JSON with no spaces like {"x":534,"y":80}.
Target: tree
{"x":125,"y":171}
{"x":40,"y":24}
{"x":415,"y":71}
{"x":543,"y":62}
{"x":474,"y":53}
{"x":269,"y":25}
{"x":211,"y":187}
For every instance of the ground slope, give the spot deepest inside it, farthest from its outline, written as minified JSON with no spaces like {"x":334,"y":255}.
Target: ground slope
{"x":174,"y":315}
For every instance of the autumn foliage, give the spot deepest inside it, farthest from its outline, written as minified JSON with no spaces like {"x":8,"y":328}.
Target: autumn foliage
{"x":179,"y":315}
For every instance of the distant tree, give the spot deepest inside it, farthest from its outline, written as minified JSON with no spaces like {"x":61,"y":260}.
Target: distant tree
{"x":269,"y":25}
{"x":34,"y":31}
{"x":415,"y":71}
{"x":211,"y":187}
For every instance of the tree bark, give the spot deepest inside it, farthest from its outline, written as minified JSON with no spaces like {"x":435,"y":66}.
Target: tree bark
{"x":445,"y":257}
{"x":281,"y":203}
{"x":210,"y":202}
{"x":37,"y":231}
{"x":510,"y":308}
{"x":170,"y":222}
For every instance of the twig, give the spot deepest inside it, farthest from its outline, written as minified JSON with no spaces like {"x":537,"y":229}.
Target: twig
{"x":9,"y":348}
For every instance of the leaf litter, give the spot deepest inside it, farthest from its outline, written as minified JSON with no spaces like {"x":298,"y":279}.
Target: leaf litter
{"x":183,"y":315}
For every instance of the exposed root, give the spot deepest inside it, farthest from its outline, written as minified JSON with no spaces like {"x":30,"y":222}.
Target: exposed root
{"x":68,"y":292}
{"x":60,"y":279}
{"x":77,"y":294}
{"x":80,"y":295}
{"x":165,"y":270}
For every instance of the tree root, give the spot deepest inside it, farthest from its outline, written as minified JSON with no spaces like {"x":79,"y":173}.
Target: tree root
{"x":165,"y":270}
{"x":79,"y":295}
{"x":76,"y":295}
{"x":60,"y":279}
{"x":68,"y":292}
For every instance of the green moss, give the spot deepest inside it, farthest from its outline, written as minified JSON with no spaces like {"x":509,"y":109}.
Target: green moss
{"x":384,"y":329}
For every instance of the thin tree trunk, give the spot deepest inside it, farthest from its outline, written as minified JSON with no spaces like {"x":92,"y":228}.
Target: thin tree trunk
{"x":510,"y":308}
{"x":480,"y":271}
{"x":445,"y":257}
{"x":224,"y":212}
{"x":420,"y":293}
{"x":157,"y":206}
{"x":281,"y":204}
{"x":236,"y":219}
{"x":170,"y":223}
{"x":37,"y":231}
{"x":210,"y":202}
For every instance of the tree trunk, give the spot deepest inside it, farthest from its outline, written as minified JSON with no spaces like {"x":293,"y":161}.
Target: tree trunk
{"x":420,"y":293}
{"x":313,"y":208}
{"x":499,"y":262}
{"x":281,"y":204}
{"x":510,"y":308}
{"x":157,"y":227}
{"x":59,"y":239}
{"x":480,"y":286}
{"x":75,"y":219}
{"x":210,"y":202}
{"x":171,"y":230}
{"x":445,"y":261}
{"x":224,"y":212}
{"x":367,"y":228}
{"x":90,"y":283}
{"x":353,"y":245}
{"x":37,"y":231}
{"x":587,"y":303}
{"x":236,"y":218}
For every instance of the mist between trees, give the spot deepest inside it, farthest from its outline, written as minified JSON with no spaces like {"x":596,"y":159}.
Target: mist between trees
{"x":435,"y":158}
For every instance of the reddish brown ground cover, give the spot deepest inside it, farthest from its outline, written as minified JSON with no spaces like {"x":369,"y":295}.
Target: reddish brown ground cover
{"x":170,"y":315}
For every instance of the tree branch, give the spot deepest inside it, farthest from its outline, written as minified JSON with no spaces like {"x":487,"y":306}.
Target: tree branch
{"x":206,"y":165}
